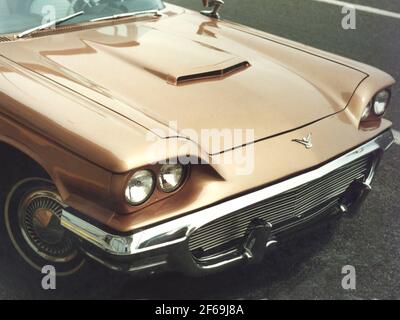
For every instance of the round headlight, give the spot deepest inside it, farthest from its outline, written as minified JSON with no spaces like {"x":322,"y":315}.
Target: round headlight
{"x":171,"y":177}
{"x":140,"y":187}
{"x":367,"y":111}
{"x":381,"y":102}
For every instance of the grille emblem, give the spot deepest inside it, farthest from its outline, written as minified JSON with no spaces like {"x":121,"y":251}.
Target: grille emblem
{"x":257,"y":236}
{"x":306,"y":141}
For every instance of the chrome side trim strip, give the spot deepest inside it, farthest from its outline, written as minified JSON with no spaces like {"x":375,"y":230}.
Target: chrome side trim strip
{"x":179,"y":229}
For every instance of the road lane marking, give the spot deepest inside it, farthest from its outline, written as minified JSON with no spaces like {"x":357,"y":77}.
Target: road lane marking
{"x":362,"y":8}
{"x":396,"y":135}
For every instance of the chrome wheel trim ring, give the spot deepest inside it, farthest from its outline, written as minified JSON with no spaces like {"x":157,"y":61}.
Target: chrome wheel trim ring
{"x":48,"y":241}
{"x":17,"y":247}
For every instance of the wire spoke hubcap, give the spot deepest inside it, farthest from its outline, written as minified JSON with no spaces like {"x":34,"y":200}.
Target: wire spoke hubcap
{"x":39,"y":218}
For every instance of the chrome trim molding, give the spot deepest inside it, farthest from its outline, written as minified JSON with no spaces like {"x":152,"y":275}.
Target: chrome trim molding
{"x":180,"y":229}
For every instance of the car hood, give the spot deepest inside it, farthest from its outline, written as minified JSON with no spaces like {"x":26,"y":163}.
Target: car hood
{"x":182,"y":73}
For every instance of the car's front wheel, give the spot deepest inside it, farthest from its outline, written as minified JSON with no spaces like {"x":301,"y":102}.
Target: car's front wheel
{"x":32,"y":217}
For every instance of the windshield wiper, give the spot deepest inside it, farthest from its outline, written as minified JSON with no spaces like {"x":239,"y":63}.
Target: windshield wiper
{"x":48,"y":24}
{"x":128,"y":14}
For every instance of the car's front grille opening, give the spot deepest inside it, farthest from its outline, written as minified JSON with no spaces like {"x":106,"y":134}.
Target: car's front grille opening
{"x":284,"y":211}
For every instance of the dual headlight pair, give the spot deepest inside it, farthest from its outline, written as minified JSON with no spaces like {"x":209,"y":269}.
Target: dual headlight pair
{"x":377,"y":105}
{"x":143,"y":182}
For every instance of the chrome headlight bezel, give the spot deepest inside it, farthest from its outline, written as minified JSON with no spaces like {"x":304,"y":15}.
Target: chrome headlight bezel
{"x":372,"y":110}
{"x":367,"y":111}
{"x":166,"y":169}
{"x":378,"y":109}
{"x":139,"y":176}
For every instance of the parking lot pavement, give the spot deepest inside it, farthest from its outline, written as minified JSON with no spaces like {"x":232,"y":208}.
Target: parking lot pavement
{"x":310,"y":268}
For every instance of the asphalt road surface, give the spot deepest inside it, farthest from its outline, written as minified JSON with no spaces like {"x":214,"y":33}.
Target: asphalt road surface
{"x":310,"y":268}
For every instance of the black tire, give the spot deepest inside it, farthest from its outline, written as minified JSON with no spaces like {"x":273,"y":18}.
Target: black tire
{"x":32,"y":209}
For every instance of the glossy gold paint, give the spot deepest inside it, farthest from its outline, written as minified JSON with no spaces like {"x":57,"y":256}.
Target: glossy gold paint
{"x":86,"y":102}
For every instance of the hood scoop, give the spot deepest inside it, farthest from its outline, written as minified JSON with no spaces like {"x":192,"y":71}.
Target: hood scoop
{"x":220,"y":71}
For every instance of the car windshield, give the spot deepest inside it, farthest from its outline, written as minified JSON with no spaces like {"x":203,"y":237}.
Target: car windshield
{"x":20,"y":15}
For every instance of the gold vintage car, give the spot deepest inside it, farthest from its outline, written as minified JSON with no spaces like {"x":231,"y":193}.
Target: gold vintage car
{"x":104,"y":106}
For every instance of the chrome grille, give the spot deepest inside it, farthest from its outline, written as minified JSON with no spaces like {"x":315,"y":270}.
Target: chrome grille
{"x":283,"y":211}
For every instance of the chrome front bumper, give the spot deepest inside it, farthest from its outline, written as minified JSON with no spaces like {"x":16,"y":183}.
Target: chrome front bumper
{"x":167,"y":243}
